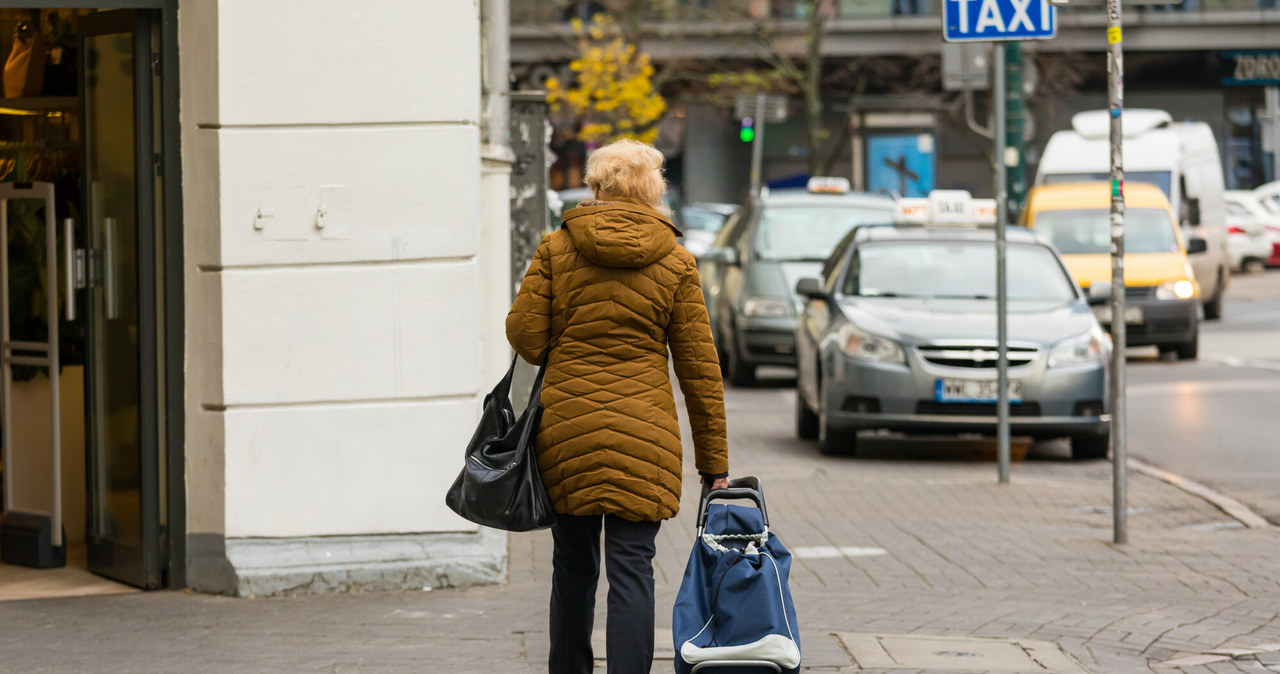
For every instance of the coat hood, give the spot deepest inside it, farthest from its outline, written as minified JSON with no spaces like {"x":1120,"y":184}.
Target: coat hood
{"x":620,"y":232}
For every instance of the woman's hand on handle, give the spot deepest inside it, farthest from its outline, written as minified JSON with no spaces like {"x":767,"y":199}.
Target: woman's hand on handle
{"x":718,"y":483}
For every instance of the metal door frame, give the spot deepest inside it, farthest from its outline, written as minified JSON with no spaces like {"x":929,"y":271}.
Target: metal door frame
{"x":173,"y":540}
{"x":138,"y":564}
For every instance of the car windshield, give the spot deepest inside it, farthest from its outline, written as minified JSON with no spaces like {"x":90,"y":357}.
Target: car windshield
{"x":809,"y":232}
{"x":956,"y":270}
{"x":1146,"y":230}
{"x":698,"y":220}
{"x":1161,"y":179}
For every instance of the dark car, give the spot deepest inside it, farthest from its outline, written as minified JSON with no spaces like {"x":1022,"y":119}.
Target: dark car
{"x":749,"y":276}
{"x":899,"y":333}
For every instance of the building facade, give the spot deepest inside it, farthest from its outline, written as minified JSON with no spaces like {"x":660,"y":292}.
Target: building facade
{"x":311,"y":221}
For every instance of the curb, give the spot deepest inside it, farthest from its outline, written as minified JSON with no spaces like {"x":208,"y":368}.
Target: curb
{"x":1237,"y":510}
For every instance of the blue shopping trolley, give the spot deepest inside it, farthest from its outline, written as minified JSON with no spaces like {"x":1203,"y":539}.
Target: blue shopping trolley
{"x":734,"y":613}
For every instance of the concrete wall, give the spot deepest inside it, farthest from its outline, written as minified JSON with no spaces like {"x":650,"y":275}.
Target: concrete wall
{"x":333,"y":198}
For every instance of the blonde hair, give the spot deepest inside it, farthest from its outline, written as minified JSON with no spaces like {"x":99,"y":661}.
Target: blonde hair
{"x":628,"y":168}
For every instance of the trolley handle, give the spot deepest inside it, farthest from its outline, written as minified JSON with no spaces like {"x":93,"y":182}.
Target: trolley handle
{"x":741,"y":488}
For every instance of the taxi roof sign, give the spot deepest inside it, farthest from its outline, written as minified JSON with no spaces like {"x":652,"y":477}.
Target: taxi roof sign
{"x":946,"y":207}
{"x":828,"y":185}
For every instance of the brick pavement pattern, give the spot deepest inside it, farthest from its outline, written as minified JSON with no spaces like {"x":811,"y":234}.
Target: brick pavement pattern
{"x":963,"y":557}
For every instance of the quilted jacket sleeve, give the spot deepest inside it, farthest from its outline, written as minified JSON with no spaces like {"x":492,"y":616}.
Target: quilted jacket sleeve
{"x":529,"y":321}
{"x":698,"y":369}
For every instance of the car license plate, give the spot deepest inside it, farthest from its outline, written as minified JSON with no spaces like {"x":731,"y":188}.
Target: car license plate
{"x":973,"y":391}
{"x":1132,"y":315}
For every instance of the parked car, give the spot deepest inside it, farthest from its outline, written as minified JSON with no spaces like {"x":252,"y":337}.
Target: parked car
{"x":1181,"y":158}
{"x":898,"y":333}
{"x":1161,"y":291}
{"x":1264,"y":203}
{"x":1249,"y":241}
{"x":749,"y":276}
{"x":702,"y":221}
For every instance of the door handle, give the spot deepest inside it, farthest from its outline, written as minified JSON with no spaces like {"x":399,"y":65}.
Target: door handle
{"x":69,"y":254}
{"x":111,"y":283}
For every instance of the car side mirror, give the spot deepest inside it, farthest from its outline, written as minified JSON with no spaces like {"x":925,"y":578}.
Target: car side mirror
{"x":1100,"y":290}
{"x":1197,"y":245}
{"x":811,"y":288}
{"x":1190,"y":211}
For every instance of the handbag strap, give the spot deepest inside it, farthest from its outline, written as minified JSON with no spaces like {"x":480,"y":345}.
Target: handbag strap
{"x":503,"y":388}
{"x":536,"y":392}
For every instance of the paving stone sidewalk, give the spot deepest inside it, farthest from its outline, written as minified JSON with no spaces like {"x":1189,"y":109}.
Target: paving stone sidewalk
{"x":1031,"y":561}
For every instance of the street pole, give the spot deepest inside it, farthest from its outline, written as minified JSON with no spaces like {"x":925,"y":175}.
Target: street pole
{"x":1002,"y":300}
{"x":757,"y":147}
{"x":1119,"y":450}
{"x":1272,"y":103}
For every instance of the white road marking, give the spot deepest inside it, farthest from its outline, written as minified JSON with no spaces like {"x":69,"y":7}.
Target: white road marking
{"x":833,"y":552}
{"x":1234,"y":361}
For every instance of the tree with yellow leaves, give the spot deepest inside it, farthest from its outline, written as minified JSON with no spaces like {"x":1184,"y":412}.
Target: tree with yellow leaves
{"x":612,"y":93}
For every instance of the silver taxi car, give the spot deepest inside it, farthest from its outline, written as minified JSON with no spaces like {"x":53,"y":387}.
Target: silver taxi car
{"x":899,"y":333}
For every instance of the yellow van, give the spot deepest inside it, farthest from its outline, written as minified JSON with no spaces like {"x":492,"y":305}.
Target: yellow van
{"x":1162,"y":296}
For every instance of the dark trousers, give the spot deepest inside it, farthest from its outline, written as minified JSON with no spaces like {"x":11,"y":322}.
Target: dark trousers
{"x":628,"y":551}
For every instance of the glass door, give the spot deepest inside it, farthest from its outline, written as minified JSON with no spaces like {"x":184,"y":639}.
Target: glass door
{"x":120,"y":302}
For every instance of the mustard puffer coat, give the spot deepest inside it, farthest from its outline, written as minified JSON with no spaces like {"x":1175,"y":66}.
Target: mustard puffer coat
{"x":605,"y":296}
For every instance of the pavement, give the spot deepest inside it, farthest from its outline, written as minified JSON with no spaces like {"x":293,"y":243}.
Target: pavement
{"x":902,"y":554}
{"x":1223,"y":430}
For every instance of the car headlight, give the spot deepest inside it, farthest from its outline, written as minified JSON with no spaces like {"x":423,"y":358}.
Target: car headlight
{"x":1176,"y":290}
{"x":1091,"y":347}
{"x":871,"y":348}
{"x":767,"y":307}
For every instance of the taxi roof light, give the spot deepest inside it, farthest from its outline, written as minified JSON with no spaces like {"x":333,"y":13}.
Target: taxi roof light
{"x":828,"y":185}
{"x":953,"y":208}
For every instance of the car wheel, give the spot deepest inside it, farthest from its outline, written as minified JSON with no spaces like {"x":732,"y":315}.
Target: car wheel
{"x":1089,"y":447}
{"x":1189,"y":350}
{"x":1213,"y":308}
{"x":741,"y":374}
{"x":1254,"y":266}
{"x":834,"y":441}
{"x":806,"y":419}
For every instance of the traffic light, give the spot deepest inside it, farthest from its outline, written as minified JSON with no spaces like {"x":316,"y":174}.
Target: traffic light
{"x":748,"y":131}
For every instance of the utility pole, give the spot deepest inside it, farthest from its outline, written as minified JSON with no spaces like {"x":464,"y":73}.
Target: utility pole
{"x":1002,"y":299}
{"x":1119,"y":449}
{"x":1272,"y":104}
{"x":757,"y":147}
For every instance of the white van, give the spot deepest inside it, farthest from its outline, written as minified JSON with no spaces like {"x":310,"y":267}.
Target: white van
{"x":1181,"y":158}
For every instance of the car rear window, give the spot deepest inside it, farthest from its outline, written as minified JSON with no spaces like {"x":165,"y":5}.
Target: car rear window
{"x":794,"y":233}
{"x":956,"y":270}
{"x":1088,"y":230}
{"x":1161,"y":179}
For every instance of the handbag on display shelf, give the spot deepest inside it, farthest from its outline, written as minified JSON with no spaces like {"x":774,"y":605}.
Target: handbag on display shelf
{"x":24,"y":71}
{"x":500,"y":486}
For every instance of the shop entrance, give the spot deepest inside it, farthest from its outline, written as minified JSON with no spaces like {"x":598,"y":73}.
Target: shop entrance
{"x":81,"y":185}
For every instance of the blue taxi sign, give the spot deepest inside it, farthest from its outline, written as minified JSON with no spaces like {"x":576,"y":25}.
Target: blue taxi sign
{"x":989,"y":20}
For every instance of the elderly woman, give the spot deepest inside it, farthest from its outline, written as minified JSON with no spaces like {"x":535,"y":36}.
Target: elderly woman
{"x":604,"y":299}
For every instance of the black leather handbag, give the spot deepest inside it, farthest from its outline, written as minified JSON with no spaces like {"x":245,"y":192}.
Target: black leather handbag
{"x":500,"y":486}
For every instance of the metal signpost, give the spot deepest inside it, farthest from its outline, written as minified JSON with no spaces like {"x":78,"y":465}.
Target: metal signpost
{"x":999,"y":20}
{"x":1119,"y":449}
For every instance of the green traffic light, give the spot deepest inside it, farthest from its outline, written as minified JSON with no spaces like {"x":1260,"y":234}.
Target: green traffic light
{"x":747,"y":134}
